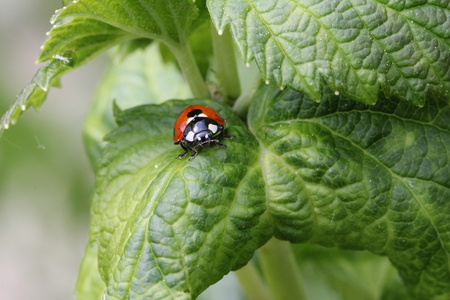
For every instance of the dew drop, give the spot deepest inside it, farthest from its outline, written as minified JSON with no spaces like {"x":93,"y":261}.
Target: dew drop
{"x":220,"y":32}
{"x":6,"y":126}
{"x":267,"y":81}
{"x":247,"y":65}
{"x":23,"y":107}
{"x":336,"y":93}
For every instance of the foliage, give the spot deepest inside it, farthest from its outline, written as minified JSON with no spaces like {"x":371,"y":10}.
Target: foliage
{"x":345,"y":144}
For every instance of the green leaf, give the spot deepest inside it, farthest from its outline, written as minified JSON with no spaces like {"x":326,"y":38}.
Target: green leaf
{"x":169,"y":21}
{"x":140,"y":77}
{"x":342,"y":274}
{"x":80,"y":39}
{"x":90,"y":285}
{"x":359,"y":47}
{"x":85,"y":28}
{"x":170,"y":228}
{"x":35,"y":92}
{"x":342,"y":173}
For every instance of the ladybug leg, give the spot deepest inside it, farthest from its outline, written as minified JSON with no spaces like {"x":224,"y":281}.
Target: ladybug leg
{"x":186,"y":148}
{"x":184,"y":154}
{"x":229,"y":137}
{"x":221,"y":136}
{"x":217,"y":142}
{"x":194,"y":154}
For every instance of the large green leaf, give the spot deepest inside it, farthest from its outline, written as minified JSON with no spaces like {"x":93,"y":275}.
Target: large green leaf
{"x":169,"y":228}
{"x":359,"y":46}
{"x":342,"y":173}
{"x":85,"y":28}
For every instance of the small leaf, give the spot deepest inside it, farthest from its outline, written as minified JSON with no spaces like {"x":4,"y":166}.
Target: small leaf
{"x":342,"y":173}
{"x":85,"y":28}
{"x":36,"y":91}
{"x":170,"y":228}
{"x":79,"y":39}
{"x":90,"y":285}
{"x":359,"y":47}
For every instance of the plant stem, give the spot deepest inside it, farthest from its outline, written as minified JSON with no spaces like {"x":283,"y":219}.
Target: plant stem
{"x":252,"y":283}
{"x":281,"y":271}
{"x":190,"y":70}
{"x":242,"y":103}
{"x":225,"y":64}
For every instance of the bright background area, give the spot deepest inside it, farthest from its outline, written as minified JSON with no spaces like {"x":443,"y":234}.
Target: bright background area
{"x":45,"y":177}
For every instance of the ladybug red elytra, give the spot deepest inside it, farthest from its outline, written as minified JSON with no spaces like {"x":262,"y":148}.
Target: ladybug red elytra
{"x":198,"y":125}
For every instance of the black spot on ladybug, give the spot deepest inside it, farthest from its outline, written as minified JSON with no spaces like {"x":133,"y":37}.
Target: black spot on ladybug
{"x":194,"y":113}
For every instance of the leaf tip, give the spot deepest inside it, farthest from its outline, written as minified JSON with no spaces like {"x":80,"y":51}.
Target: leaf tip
{"x":116,"y":109}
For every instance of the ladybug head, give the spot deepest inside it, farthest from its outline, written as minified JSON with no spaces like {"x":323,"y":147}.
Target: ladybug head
{"x":203,"y":138}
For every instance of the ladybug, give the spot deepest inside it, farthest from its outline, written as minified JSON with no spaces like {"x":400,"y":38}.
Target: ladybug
{"x":198,"y":125}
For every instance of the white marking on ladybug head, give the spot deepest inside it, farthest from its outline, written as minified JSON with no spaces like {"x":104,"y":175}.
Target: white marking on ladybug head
{"x":213,"y":128}
{"x":190,"y":136}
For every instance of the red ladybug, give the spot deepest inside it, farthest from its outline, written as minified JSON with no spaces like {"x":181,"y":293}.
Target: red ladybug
{"x":198,"y":125}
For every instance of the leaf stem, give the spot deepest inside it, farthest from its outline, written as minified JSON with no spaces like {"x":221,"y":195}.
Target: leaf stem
{"x":252,"y":283}
{"x":190,"y":70}
{"x":242,"y":103}
{"x":281,"y":272}
{"x":225,"y":64}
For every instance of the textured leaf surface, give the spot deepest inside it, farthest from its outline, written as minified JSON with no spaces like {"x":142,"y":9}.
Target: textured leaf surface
{"x":342,"y":173}
{"x":358,"y":46}
{"x":168,"y":20}
{"x":170,"y":228}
